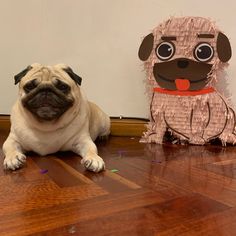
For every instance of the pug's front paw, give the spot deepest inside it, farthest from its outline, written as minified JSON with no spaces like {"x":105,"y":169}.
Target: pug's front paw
{"x":14,"y":160}
{"x":93,"y":163}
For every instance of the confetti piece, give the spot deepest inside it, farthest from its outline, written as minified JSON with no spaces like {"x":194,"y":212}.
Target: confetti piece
{"x":72,"y":230}
{"x":156,"y":161}
{"x":114,"y":170}
{"x":43,"y":171}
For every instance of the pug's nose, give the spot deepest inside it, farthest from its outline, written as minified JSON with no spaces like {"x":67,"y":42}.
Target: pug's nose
{"x":182,"y":64}
{"x":46,"y":92}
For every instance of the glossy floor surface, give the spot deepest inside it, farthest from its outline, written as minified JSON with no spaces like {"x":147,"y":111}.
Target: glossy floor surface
{"x":145,"y":190}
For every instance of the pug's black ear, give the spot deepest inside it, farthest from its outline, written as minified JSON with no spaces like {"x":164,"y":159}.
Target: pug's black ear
{"x":223,"y":47}
{"x":20,"y":75}
{"x":146,"y":47}
{"x":73,"y":76}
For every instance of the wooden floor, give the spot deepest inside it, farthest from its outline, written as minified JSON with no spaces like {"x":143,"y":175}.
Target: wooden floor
{"x":146,"y":190}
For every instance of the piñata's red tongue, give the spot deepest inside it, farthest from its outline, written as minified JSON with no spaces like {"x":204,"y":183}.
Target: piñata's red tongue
{"x":182,"y":84}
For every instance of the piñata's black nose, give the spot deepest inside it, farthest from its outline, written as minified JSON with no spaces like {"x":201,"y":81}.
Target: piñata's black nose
{"x":182,"y":63}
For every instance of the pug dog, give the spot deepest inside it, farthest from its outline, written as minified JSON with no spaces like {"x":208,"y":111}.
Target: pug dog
{"x":52,"y":114}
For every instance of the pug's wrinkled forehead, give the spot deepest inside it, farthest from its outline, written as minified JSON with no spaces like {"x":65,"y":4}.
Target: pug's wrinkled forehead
{"x":185,"y":33}
{"x":47,"y":73}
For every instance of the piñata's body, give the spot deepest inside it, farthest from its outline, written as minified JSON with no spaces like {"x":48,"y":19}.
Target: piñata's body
{"x":194,"y":118}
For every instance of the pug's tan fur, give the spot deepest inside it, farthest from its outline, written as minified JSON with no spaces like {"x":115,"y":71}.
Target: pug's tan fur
{"x":75,"y":130}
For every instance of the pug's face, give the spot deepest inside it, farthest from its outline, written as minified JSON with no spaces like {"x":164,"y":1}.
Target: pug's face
{"x":47,"y":92}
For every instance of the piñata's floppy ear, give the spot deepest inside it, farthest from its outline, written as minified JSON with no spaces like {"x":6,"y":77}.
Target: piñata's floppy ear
{"x":146,"y":47}
{"x":73,"y":76}
{"x":223,"y":47}
{"x":20,"y":75}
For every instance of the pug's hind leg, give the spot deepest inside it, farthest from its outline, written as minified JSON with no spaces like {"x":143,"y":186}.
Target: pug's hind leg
{"x":87,"y":149}
{"x":14,"y":157}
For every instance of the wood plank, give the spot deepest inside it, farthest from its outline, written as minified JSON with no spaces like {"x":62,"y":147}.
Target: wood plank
{"x":149,"y":220}
{"x":52,"y":217}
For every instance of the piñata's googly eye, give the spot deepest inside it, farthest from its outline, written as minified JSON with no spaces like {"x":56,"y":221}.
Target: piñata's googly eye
{"x":203,"y":52}
{"x":165,"y":50}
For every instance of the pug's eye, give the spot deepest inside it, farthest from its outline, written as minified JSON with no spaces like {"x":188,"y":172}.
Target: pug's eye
{"x":62,"y":86}
{"x":31,"y":85}
{"x":203,"y":52}
{"x":165,"y":50}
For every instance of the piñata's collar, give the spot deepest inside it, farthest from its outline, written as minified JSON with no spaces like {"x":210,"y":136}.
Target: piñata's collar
{"x":185,"y":92}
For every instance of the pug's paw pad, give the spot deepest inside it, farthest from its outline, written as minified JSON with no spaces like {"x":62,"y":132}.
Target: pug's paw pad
{"x":14,"y":161}
{"x":93,"y":163}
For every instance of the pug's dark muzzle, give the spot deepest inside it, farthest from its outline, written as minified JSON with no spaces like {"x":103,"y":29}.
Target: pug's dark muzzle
{"x":47,"y":103}
{"x":182,"y":74}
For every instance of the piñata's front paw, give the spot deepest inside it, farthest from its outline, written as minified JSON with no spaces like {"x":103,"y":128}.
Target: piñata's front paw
{"x":197,"y":140}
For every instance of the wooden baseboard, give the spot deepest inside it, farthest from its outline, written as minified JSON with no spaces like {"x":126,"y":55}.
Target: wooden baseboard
{"x":119,"y":126}
{"x":128,"y":126}
{"x":5,"y":123}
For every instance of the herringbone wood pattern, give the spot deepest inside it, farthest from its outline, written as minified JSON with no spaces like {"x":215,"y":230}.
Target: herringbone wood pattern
{"x":145,"y":190}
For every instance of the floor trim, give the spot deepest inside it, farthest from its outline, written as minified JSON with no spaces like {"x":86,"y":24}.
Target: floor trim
{"x":120,"y":126}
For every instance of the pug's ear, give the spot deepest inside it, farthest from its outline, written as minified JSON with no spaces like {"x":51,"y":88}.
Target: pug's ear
{"x":223,"y":47}
{"x":73,"y":76}
{"x":20,"y":75}
{"x":146,"y":47}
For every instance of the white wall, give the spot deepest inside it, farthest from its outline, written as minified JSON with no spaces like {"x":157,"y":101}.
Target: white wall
{"x":99,"y":39}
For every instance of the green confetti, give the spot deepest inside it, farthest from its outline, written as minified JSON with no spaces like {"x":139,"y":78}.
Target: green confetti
{"x":114,"y":170}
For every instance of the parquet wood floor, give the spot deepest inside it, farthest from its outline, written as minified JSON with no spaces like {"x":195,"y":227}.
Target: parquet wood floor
{"x":145,"y":190}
